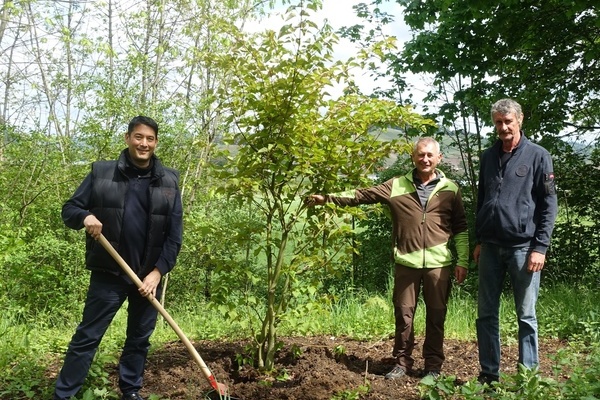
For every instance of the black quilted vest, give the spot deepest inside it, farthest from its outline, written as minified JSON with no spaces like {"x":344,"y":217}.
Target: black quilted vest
{"x":109,"y":191}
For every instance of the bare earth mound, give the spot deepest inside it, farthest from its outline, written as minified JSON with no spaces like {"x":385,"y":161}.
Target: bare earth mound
{"x":314,"y":370}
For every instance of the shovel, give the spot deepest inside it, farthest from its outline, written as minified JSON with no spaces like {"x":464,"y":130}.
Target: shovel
{"x":220,"y":390}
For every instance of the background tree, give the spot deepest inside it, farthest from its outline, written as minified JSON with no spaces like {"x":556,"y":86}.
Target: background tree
{"x":73,"y":75}
{"x":540,"y":53}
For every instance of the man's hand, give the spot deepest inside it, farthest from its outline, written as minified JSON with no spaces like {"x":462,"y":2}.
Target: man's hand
{"x":476,"y":253}
{"x":92,"y":226}
{"x":150,"y":283}
{"x":536,"y":261}
{"x":460,"y":273}
{"x":315,"y":200}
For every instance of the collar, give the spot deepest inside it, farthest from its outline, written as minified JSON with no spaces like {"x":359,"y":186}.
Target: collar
{"x":522,"y":143}
{"x":124,"y":163}
{"x":139,"y":171}
{"x":417,"y":180}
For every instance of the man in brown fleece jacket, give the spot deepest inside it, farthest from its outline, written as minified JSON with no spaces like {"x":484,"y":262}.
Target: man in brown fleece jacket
{"x":427,"y":212}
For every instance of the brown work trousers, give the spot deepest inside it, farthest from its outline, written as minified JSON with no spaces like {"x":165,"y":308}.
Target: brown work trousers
{"x":436,"y":290}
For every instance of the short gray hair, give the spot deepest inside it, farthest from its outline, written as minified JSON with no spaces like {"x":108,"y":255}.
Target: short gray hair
{"x":426,"y":139}
{"x":506,"y":106}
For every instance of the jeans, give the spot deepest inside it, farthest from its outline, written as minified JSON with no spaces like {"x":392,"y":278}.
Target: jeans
{"x":495,"y":262}
{"x":105,"y":296}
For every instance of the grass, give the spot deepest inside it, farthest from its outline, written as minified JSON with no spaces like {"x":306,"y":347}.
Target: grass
{"x":28,"y":347}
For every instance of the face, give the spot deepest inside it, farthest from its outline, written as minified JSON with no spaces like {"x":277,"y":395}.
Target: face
{"x":508,"y":126}
{"x":426,"y":157}
{"x":141,"y":142}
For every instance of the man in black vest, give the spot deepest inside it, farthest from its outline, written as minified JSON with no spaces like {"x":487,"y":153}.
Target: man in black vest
{"x":136,"y":203}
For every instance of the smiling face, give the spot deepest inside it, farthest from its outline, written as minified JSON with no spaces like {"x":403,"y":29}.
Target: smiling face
{"x":141,"y":142}
{"x":426,"y":157}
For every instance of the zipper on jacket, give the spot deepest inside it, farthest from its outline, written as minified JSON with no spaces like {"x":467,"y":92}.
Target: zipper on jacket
{"x":423,"y":231}
{"x":423,"y":220}
{"x":433,"y":193}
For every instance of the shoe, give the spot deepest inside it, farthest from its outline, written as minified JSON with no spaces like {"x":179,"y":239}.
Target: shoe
{"x":488,"y":379}
{"x":397,"y":373}
{"x":132,"y":396}
{"x":434,"y":373}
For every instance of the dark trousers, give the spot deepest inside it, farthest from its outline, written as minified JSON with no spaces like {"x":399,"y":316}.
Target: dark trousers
{"x":436,"y":290}
{"x":106,"y":294}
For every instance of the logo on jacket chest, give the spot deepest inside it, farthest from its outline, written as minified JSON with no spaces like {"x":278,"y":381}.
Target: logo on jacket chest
{"x":522,"y":170}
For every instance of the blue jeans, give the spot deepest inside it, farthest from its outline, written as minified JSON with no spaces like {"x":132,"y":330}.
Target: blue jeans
{"x":494,"y":264}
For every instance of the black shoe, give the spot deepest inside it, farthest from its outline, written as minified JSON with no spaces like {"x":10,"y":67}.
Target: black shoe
{"x":132,"y":396}
{"x":488,"y":379}
{"x":434,"y":373}
{"x":397,"y":373}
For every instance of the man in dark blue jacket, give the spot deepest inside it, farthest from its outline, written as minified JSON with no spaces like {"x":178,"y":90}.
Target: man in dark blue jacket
{"x":135,"y":203}
{"x":516,"y":209}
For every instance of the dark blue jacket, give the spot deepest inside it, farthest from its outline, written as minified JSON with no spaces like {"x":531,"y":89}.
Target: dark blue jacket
{"x":516,"y":204}
{"x":103,"y":193}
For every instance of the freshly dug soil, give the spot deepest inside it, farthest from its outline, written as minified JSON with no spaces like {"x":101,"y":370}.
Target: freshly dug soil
{"x":312,"y":368}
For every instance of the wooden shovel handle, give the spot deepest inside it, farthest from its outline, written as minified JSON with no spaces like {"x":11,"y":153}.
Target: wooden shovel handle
{"x":205,"y":370}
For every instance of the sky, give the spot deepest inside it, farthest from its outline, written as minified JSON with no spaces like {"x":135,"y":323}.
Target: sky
{"x":340,"y":13}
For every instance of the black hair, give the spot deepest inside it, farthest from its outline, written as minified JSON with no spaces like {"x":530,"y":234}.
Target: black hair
{"x":142,"y":120}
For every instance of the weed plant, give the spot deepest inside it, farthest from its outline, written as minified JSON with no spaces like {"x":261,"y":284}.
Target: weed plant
{"x":583,"y":382}
{"x":31,"y":346}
